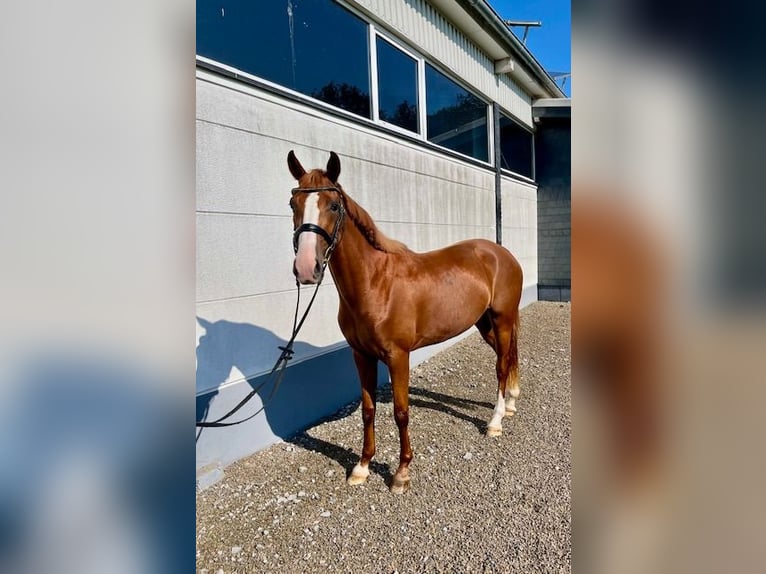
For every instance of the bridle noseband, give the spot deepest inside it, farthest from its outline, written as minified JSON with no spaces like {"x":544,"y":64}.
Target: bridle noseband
{"x":332,"y":240}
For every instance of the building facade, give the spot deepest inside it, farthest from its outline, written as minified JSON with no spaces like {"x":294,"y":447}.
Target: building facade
{"x":428,"y":105}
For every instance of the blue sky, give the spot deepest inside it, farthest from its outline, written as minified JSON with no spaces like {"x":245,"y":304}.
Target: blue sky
{"x":551,"y":44}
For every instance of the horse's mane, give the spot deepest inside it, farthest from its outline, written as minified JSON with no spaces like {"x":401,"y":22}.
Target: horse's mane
{"x":363,"y":221}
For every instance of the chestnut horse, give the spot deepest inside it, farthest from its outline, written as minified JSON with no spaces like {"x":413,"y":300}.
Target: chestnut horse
{"x":393,"y":301}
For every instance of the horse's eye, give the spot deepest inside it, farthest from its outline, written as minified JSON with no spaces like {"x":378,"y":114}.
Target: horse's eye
{"x":292,"y":205}
{"x":334,"y":206}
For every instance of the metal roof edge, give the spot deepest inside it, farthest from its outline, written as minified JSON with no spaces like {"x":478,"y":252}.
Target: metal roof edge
{"x":483,"y":13}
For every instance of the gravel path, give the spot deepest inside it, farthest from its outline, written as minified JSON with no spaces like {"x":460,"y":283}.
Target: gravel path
{"x":477,"y":504}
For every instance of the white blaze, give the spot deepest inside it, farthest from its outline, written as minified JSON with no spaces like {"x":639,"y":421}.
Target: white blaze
{"x":305,"y":259}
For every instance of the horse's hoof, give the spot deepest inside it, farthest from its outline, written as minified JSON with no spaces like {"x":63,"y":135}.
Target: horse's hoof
{"x":510,"y":413}
{"x":356,"y":480}
{"x":358,"y":475}
{"x":494,"y":431}
{"x":400,"y":486}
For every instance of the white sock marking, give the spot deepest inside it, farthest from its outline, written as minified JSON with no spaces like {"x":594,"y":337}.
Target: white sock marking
{"x":497,"y":416}
{"x":510,"y":398}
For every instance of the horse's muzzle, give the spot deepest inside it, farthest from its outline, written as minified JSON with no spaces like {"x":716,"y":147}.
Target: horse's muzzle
{"x":308,"y":277}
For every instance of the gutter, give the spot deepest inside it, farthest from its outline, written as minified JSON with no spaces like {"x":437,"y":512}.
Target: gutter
{"x":539,"y":81}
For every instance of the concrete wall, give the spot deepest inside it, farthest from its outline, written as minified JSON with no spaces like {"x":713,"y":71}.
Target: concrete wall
{"x":519,"y":220}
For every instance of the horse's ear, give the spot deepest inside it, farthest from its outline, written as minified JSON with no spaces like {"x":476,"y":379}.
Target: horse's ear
{"x":295,"y":166}
{"x":333,"y":167}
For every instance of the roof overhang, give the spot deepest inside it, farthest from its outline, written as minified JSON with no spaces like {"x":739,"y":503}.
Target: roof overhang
{"x":552,"y":108}
{"x":478,"y":20}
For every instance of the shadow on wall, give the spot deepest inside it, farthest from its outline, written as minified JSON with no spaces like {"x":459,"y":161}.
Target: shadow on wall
{"x":311,"y":389}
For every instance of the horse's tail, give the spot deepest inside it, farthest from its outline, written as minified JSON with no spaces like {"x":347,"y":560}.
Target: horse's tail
{"x":513,"y":351}
{"x":515,"y":334}
{"x":516,"y":283}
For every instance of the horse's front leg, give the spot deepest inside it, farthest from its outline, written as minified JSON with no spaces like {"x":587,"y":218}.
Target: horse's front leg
{"x":399,"y":367}
{"x":368,"y":376}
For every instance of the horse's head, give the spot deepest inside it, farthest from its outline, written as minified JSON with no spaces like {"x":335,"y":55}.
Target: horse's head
{"x":318,"y":213}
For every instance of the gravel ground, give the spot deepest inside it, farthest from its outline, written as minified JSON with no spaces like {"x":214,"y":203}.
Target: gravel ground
{"x":477,"y":504}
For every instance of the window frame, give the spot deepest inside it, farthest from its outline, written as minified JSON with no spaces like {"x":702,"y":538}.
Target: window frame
{"x":375,"y":33}
{"x":487,"y":112}
{"x":505,"y":171}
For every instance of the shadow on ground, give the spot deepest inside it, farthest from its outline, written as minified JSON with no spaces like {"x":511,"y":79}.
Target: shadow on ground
{"x":347,"y":457}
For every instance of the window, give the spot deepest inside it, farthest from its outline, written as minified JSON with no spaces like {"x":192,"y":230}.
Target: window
{"x":397,"y":86}
{"x":456,"y":118}
{"x":323,"y":50}
{"x":515,"y":147}
{"x":317,"y":48}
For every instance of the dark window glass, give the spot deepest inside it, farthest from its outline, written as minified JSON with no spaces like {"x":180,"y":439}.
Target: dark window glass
{"x":315,"y":47}
{"x":515,"y":147}
{"x":397,"y":87}
{"x":456,"y":118}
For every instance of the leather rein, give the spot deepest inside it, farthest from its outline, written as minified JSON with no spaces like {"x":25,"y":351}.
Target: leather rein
{"x":287,"y":349}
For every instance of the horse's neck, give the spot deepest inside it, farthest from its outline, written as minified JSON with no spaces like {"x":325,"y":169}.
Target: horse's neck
{"x":355,"y":265}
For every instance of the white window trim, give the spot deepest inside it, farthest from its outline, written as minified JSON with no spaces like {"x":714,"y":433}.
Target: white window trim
{"x":372,"y":50}
{"x":376,"y":32}
{"x":423,"y":116}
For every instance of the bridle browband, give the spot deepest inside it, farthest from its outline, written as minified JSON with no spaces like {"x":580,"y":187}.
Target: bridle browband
{"x":332,"y":240}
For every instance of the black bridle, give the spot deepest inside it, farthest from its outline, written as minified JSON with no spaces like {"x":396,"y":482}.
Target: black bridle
{"x":287,"y":349}
{"x":332,"y":240}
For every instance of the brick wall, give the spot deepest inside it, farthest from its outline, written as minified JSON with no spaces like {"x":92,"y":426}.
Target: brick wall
{"x":553,"y":173}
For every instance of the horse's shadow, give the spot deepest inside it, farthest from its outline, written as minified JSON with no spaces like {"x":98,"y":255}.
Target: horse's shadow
{"x":226,"y":346}
{"x":446,"y":403}
{"x":419,"y":397}
{"x":346,"y":457}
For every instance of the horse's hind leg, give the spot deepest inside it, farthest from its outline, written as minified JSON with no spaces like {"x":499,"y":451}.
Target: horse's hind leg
{"x":484,"y":325}
{"x":505,"y":329}
{"x":512,"y":389}
{"x":487,"y":327}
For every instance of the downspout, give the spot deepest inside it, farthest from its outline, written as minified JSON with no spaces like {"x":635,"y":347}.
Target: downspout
{"x":498,"y":180}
